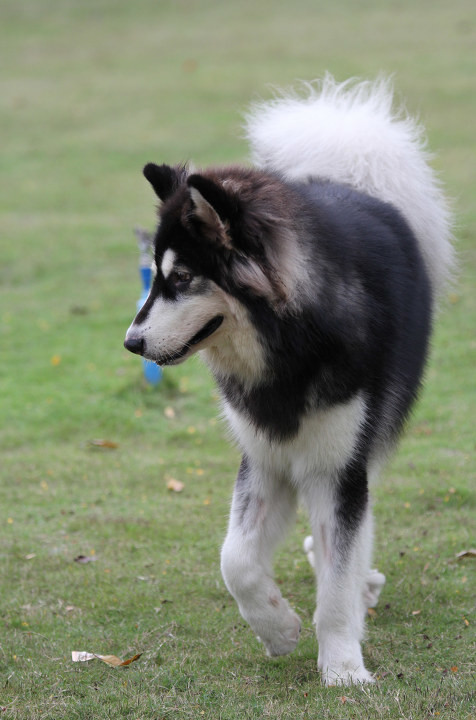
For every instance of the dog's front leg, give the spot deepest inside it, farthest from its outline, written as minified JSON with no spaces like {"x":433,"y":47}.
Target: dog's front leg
{"x":263,"y":506}
{"x":342,"y":530}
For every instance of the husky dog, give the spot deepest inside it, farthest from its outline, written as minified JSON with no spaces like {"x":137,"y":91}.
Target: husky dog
{"x":308,"y":285}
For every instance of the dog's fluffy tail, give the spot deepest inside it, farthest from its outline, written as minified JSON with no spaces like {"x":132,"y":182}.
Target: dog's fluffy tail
{"x":350,"y":133}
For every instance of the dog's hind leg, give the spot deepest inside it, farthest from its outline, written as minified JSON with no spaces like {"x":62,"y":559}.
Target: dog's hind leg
{"x":342,"y":529}
{"x":263,"y":507}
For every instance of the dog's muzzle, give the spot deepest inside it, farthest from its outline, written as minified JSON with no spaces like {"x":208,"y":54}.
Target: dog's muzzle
{"x":136,"y":344}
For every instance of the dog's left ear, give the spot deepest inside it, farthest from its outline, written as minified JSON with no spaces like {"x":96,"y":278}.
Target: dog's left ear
{"x":213,"y":207}
{"x":165,"y":179}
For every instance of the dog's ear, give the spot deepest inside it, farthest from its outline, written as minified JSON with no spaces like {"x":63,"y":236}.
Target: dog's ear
{"x":165,"y":179}
{"x":205,"y":192}
{"x":218,"y":211}
{"x":212,"y":207}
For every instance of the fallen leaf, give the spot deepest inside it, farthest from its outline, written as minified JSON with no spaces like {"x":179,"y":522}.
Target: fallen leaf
{"x":30,"y":556}
{"x":175,"y":485}
{"x":104,"y":444}
{"x":130,"y":660}
{"x":416,"y":612}
{"x":84,"y":559}
{"x":466,"y":553}
{"x":111,"y":660}
{"x":189,"y":65}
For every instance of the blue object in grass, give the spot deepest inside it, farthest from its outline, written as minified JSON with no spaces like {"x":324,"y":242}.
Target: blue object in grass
{"x":152,"y":372}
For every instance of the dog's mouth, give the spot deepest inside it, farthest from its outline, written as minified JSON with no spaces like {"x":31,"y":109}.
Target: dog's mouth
{"x":208,"y":329}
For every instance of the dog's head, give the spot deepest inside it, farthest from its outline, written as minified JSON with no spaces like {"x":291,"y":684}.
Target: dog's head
{"x":221,"y":238}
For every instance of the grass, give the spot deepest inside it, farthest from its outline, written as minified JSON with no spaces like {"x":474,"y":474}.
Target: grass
{"x":90,"y":92}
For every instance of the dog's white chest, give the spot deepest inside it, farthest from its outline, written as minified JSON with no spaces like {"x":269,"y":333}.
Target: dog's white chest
{"x":324,"y":443}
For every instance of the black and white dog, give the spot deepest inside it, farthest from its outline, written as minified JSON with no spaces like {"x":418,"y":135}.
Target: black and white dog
{"x":308,"y":285}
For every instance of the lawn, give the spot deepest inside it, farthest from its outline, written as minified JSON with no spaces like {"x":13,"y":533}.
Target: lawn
{"x":90,"y":92}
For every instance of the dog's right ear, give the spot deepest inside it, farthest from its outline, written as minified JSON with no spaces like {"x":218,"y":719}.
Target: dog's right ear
{"x":165,"y":179}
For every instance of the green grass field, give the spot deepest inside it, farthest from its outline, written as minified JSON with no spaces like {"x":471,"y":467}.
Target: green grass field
{"x":91,"y":91}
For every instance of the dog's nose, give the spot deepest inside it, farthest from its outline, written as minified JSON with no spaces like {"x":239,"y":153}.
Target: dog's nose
{"x":135,"y":344}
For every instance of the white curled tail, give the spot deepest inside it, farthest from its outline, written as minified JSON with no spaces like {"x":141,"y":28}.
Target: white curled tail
{"x":348,"y":132}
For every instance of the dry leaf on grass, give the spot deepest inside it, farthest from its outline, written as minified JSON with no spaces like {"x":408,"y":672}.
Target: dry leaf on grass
{"x":109,"y":444}
{"x":175,"y":485}
{"x":114,"y":661}
{"x":84,"y":559}
{"x":466,"y":554}
{"x":111,"y":660}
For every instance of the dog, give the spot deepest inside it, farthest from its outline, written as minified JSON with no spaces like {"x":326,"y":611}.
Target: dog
{"x":308,"y":283}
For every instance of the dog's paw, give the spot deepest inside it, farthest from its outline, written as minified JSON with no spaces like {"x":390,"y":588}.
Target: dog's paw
{"x":283,"y":638}
{"x":344,"y":675}
{"x":373,"y":587}
{"x":341,"y":663}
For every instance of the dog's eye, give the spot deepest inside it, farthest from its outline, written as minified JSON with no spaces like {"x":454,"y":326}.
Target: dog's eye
{"x":181,"y":279}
